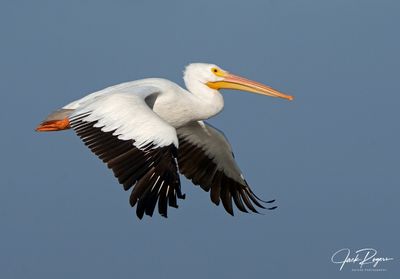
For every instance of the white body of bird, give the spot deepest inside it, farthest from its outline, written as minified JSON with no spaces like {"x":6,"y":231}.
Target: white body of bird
{"x":137,"y":128}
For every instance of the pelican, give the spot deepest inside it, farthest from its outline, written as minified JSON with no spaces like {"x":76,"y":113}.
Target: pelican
{"x":150,"y":130}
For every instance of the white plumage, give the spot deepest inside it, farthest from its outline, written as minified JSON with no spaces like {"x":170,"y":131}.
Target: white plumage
{"x":147,"y":130}
{"x":127,"y":115}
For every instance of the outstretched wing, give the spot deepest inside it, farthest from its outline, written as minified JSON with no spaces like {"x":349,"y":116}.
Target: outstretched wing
{"x":138,"y":145}
{"x":205,"y":156}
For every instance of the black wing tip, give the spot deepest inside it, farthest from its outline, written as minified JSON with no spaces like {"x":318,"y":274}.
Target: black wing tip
{"x":226,"y":189}
{"x":216,"y":202}
{"x":268,"y":202}
{"x":135,"y":166}
{"x":139,"y":214}
{"x":245,"y":205}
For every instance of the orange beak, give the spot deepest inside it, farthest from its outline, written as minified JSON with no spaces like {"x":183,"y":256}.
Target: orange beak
{"x":231,"y":81}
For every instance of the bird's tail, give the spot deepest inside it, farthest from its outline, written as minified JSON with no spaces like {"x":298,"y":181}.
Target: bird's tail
{"x":56,"y":121}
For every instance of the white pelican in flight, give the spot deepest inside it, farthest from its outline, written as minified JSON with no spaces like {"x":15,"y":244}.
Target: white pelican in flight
{"x":148,"y":130}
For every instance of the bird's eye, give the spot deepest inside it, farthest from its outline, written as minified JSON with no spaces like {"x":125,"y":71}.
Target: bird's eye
{"x":214,"y":70}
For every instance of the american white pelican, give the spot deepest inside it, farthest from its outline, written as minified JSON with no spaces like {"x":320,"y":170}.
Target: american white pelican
{"x":148,"y":130}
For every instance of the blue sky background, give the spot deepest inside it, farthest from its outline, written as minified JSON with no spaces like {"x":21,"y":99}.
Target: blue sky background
{"x":330,"y":158}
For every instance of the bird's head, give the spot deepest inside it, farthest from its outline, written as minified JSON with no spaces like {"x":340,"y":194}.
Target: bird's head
{"x":216,"y":78}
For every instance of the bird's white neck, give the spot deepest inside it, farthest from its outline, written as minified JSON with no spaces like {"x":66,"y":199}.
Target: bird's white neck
{"x":209,"y":102}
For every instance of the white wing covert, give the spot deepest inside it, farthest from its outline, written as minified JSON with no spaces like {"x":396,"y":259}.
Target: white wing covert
{"x":205,"y":157}
{"x":138,"y":145}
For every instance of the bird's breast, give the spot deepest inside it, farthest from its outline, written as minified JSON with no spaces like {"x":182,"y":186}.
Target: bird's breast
{"x":177,"y":115}
{"x":179,"y":107}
